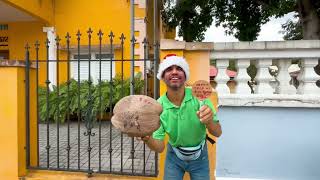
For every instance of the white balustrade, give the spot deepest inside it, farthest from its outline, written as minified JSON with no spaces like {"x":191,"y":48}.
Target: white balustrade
{"x":222,"y":77}
{"x":309,"y":77}
{"x":274,"y":91}
{"x":242,"y":78}
{"x":284,"y":77}
{"x":264,"y":76}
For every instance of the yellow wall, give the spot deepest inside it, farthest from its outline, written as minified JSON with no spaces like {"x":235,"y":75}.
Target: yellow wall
{"x":8,"y":120}
{"x":74,"y":15}
{"x":40,"y":9}
{"x":13,"y":121}
{"x":21,"y":33}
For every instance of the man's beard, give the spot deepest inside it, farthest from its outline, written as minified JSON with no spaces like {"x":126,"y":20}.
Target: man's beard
{"x":174,"y":86}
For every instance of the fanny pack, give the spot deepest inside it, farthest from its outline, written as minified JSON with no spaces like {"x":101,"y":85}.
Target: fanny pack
{"x":189,"y":153}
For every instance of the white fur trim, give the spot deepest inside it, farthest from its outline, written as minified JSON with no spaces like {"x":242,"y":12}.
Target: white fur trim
{"x":173,"y":60}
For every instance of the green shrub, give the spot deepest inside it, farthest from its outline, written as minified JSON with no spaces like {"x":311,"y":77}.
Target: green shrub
{"x":90,"y":105}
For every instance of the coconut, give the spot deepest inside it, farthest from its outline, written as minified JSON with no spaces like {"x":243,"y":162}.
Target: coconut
{"x":137,"y":115}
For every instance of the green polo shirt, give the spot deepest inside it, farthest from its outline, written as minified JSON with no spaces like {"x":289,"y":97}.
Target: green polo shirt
{"x":181,"y":123}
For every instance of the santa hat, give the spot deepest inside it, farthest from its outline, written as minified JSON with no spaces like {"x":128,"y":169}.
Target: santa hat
{"x":170,"y":60}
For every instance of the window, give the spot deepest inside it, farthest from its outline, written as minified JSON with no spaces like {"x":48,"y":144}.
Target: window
{"x":94,"y":63}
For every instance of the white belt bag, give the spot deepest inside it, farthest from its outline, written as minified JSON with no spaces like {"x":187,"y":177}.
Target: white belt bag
{"x":189,"y":153}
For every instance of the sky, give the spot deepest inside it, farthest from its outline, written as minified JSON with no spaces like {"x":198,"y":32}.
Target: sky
{"x":269,"y":31}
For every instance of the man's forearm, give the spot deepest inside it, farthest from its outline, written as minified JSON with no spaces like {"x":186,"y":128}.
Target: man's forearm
{"x":155,"y":145}
{"x":214,"y":128}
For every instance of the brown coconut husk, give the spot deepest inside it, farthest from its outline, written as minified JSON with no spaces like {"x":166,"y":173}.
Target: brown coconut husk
{"x":137,"y":115}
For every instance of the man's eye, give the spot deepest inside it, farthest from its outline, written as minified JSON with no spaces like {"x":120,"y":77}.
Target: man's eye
{"x":168,"y":69}
{"x":179,"y":68}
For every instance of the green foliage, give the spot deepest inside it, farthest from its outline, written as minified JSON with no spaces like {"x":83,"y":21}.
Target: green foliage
{"x":192,"y":17}
{"x":91,"y":105}
{"x":243,"y":18}
{"x":292,"y":30}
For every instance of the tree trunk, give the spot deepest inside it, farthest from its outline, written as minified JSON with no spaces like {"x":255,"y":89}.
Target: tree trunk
{"x":309,"y":19}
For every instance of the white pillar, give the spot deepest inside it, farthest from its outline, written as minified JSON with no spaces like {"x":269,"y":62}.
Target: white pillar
{"x":242,"y":77}
{"x":51,"y":35}
{"x":264,"y":77}
{"x":222,"y":77}
{"x":309,"y":77}
{"x":284,"y":77}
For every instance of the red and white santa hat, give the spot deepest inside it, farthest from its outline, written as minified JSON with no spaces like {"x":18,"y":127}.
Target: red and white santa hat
{"x":170,"y":60}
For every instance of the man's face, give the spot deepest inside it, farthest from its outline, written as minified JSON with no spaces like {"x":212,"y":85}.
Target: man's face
{"x":174,"y":77}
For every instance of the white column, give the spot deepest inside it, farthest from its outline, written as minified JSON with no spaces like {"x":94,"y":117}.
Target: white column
{"x":309,"y":77}
{"x":51,"y":35}
{"x":263,"y":76}
{"x":242,"y":77}
{"x":284,"y":77}
{"x":140,"y":26}
{"x":222,"y":77}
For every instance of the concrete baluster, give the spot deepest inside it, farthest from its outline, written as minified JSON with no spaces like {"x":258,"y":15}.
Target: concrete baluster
{"x":222,"y":77}
{"x":284,"y":77}
{"x":242,"y":78}
{"x":264,"y":77}
{"x":309,"y":77}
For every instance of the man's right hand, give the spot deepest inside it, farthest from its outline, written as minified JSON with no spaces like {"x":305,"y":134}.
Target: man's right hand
{"x":145,"y":139}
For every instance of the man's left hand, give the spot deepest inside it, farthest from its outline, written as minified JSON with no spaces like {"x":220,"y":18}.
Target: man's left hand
{"x":205,"y":114}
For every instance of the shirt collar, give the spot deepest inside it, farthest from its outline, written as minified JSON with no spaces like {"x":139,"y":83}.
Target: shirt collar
{"x":187,"y":97}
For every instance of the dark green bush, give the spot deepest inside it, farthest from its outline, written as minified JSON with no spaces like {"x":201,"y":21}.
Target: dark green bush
{"x":91,"y":105}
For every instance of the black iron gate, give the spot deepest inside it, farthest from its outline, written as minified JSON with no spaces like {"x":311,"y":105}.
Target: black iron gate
{"x":74,"y":132}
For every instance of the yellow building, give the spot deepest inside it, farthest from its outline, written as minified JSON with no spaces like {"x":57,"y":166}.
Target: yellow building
{"x":28,"y":21}
{"x":32,"y":21}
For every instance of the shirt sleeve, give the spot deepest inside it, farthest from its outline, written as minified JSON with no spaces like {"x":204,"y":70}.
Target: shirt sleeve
{"x":159,"y":134}
{"x":209,"y":103}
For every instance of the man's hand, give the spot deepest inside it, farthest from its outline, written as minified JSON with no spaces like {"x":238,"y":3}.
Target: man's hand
{"x":144,"y":139}
{"x":205,"y":114}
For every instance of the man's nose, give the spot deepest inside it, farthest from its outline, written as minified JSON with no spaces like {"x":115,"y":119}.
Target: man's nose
{"x":174,"y":70}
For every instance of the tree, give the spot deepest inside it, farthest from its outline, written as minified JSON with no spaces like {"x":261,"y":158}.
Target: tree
{"x":243,"y":18}
{"x":192,"y":17}
{"x":292,"y":30}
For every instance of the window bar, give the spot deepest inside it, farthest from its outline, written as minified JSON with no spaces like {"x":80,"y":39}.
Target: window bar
{"x":27,"y":91}
{"x":68,"y":98}
{"x":111,"y":36}
{"x":79,"y":105}
{"x":100,"y":34}
{"x":122,"y":38}
{"x":145,"y":43}
{"x":89,"y":115}
{"x":48,"y":104}
{"x":58,"y":99}
{"x":133,"y":40}
{"x":37,"y":44}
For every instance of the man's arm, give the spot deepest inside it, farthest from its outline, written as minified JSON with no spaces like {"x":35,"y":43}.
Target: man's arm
{"x":154,"y":144}
{"x":214,"y":128}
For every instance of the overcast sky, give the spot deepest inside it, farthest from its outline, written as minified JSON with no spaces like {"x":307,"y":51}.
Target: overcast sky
{"x":269,"y":31}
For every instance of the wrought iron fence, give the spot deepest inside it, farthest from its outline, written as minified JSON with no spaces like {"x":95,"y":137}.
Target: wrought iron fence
{"x":74,"y":129}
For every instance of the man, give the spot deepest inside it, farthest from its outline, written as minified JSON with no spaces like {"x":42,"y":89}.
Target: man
{"x":185,"y":122}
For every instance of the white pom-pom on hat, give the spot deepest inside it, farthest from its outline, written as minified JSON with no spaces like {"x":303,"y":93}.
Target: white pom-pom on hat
{"x":170,"y":60}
